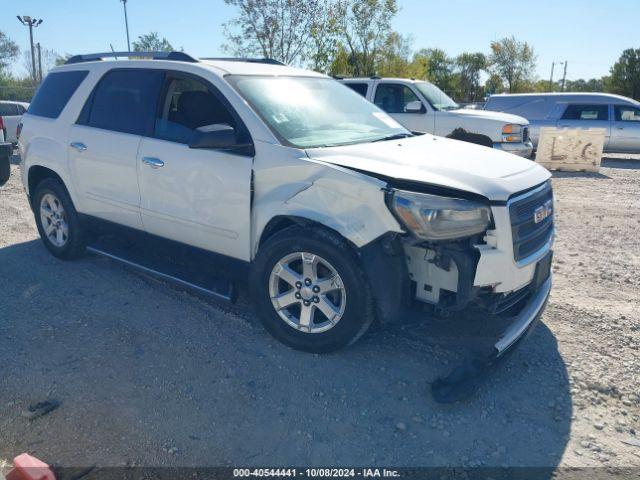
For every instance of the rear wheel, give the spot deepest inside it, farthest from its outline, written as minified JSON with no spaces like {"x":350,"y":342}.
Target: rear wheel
{"x":57,"y":220}
{"x":310,"y":291}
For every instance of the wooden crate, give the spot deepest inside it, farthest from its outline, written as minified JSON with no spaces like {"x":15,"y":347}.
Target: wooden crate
{"x":571,"y":150}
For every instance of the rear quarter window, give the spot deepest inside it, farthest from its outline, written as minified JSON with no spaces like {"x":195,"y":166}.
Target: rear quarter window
{"x":55,"y":92}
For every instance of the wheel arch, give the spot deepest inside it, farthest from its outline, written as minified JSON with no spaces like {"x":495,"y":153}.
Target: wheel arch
{"x":281,"y":222}
{"x":36,"y":174}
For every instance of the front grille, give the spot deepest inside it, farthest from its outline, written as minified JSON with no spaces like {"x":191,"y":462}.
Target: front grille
{"x":525,"y":134}
{"x":529,"y":236}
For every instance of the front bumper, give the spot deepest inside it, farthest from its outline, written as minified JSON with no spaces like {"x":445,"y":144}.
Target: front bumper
{"x":525,"y":321}
{"x":522,"y":149}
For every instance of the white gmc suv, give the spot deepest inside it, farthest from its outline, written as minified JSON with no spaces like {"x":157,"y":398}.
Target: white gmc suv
{"x":337,"y":213}
{"x":421,"y":106}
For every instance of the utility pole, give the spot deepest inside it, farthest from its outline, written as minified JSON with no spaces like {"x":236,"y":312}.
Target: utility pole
{"x":39,"y":63}
{"x":31,"y":23}
{"x":564,"y":75}
{"x":126,"y":23}
{"x":553,"y":64}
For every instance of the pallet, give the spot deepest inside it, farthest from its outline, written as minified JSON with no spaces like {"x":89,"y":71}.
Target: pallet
{"x":571,"y":150}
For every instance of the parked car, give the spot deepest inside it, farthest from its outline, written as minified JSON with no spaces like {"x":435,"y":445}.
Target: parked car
{"x":619,"y":116}
{"x":338,"y":214}
{"x":11,"y":113}
{"x":422,"y":107}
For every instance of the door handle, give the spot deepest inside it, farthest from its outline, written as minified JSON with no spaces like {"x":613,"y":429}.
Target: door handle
{"x":153,"y":162}
{"x":620,"y":128}
{"x":79,"y":146}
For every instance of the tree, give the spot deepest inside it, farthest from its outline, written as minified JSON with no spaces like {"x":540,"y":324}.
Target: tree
{"x":151,"y":42}
{"x":494,"y":84}
{"x":278,"y":29}
{"x":48,"y":60}
{"x":393,"y":57}
{"x":513,"y":61}
{"x":365,"y":28}
{"x":438,"y":68}
{"x":324,"y":39}
{"x":625,"y":74}
{"x":470,"y":65}
{"x":8,"y":51}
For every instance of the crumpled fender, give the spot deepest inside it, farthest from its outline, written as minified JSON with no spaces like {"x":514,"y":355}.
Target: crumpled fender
{"x":348,"y":202}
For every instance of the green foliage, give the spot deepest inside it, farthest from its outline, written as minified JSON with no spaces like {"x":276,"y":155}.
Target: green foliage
{"x":514,"y":62}
{"x":470,"y":66}
{"x":282,"y":30}
{"x":365,"y":31}
{"x":625,"y":75}
{"x":21,"y":90}
{"x":151,"y":42}
{"x":8,"y":51}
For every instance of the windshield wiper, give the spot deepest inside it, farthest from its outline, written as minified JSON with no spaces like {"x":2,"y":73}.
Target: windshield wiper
{"x":395,"y":136}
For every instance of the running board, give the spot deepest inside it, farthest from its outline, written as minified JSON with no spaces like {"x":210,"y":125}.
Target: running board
{"x":218,"y":289}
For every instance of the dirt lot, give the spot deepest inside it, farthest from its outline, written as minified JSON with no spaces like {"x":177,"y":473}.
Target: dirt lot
{"x":149,"y":375}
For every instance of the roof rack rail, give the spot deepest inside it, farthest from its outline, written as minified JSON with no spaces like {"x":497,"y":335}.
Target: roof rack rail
{"x":269,"y":61}
{"x":90,"y":57}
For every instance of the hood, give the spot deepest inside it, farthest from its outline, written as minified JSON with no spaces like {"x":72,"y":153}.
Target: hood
{"x":440,"y":162}
{"x":490,"y":115}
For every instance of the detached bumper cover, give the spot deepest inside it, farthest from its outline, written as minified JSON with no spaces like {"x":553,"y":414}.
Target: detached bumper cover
{"x":525,"y":321}
{"x":522,"y":149}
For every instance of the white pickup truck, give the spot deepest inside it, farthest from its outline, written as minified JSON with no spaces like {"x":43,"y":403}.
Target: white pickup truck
{"x":421,"y":106}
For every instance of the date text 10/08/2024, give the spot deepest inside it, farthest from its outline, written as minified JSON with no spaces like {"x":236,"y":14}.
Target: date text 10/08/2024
{"x":316,"y":472}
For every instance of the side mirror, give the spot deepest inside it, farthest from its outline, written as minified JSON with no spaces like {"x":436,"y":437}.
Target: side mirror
{"x":6,"y":149}
{"x":414,"y":107}
{"x":214,"y":136}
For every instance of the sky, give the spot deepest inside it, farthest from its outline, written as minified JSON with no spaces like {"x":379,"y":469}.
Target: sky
{"x":588,"y":34}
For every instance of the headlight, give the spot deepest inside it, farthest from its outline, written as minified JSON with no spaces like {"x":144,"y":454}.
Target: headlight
{"x":511,"y":133}
{"x":431,"y":217}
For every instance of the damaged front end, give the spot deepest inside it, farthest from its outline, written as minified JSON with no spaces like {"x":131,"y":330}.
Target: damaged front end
{"x":498,"y":271}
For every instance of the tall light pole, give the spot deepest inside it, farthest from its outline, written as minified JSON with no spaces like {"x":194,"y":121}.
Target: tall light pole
{"x":126,"y":23}
{"x":31,"y":23}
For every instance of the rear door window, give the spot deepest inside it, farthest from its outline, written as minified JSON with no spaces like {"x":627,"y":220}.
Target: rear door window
{"x":360,"y":88}
{"x":124,"y":101}
{"x":55,"y":92}
{"x":586,"y":112}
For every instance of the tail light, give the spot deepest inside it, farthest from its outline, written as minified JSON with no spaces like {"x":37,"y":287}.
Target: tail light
{"x":1,"y":124}
{"x":18,"y":130}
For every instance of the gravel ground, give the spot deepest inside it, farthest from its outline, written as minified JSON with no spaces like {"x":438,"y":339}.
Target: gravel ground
{"x":149,"y":375}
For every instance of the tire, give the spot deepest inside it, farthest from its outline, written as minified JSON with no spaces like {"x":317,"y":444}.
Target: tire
{"x":348,"y":296}
{"x":51,"y":196}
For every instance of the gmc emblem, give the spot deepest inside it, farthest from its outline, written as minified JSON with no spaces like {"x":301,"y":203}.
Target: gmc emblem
{"x":543,"y":211}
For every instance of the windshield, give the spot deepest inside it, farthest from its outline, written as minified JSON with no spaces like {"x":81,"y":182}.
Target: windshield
{"x":436,"y":97}
{"x":308,"y":112}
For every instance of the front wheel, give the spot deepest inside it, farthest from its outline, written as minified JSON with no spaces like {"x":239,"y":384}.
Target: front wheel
{"x":310,"y":291}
